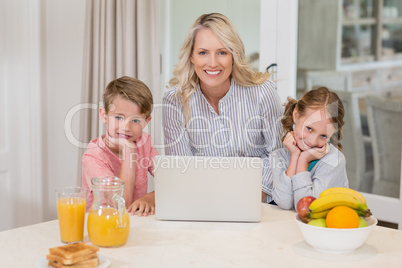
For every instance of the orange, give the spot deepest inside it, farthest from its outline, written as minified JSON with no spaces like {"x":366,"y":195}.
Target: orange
{"x":342,"y":217}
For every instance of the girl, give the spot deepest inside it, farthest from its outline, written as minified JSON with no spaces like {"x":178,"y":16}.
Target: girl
{"x":312,"y":160}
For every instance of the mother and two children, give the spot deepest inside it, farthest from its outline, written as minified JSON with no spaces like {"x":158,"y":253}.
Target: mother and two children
{"x":215,"y":90}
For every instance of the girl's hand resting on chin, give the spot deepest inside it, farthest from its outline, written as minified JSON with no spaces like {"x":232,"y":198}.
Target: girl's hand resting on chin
{"x":315,"y":153}
{"x":290,"y":143}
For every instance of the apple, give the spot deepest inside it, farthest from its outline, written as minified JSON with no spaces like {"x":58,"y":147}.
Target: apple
{"x":302,"y":207}
{"x":321,"y":222}
{"x":362,"y":222}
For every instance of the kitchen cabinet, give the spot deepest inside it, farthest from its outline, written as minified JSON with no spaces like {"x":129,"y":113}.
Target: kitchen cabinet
{"x":384,"y":81}
{"x":334,"y":34}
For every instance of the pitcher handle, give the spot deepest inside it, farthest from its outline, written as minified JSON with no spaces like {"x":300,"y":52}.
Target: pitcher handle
{"x":121,"y":206}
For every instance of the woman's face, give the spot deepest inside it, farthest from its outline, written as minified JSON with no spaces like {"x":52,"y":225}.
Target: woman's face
{"x":212,"y":61}
{"x":313,"y":129}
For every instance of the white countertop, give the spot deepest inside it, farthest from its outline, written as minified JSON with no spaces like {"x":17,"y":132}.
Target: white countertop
{"x":274,"y":242}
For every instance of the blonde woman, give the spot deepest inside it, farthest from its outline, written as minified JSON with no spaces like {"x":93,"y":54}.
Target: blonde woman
{"x":218,"y":106}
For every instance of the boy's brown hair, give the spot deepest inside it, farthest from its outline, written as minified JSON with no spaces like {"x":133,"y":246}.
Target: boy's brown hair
{"x":130,"y":89}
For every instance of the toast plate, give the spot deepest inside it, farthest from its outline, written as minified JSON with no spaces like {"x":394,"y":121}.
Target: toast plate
{"x":103,"y":262}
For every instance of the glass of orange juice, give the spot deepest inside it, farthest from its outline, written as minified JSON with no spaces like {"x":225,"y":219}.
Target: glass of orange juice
{"x":71,"y":203}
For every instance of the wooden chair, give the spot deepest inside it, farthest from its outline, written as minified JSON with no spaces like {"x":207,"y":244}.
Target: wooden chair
{"x":384,"y":117}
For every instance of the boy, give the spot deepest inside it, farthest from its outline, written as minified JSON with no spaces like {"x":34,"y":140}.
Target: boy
{"x":124,"y":151}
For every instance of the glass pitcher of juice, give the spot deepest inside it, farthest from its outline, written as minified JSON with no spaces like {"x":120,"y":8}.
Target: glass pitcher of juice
{"x":108,"y":220}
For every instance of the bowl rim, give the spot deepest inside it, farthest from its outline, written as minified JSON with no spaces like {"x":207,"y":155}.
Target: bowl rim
{"x":299,"y":221}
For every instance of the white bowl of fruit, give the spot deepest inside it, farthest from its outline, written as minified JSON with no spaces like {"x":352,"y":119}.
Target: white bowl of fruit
{"x":338,"y":221}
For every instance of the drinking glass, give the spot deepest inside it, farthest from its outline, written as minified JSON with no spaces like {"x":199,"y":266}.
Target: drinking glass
{"x":71,"y":203}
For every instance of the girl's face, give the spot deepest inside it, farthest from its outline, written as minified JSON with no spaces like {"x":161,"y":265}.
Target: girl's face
{"x":124,"y":120}
{"x":313,"y":129}
{"x":212,"y":61}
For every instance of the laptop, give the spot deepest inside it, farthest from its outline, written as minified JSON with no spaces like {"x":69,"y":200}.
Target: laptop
{"x":194,"y":188}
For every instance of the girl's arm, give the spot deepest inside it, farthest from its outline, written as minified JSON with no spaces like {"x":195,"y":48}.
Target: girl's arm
{"x":313,"y":154}
{"x":282,"y":191}
{"x":291,"y":145}
{"x":329,"y":172}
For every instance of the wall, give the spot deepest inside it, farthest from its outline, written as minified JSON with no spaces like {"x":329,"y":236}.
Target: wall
{"x":21,"y":188}
{"x":65,"y":21}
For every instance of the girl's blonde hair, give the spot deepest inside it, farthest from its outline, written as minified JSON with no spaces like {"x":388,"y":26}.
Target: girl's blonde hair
{"x":185,"y":77}
{"x":314,"y":99}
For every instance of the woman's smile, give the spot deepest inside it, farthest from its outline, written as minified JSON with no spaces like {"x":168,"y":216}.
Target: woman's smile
{"x":213,"y":73}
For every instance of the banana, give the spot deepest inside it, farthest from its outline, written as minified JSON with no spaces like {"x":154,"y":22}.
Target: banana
{"x":364,"y":213}
{"x":324,"y":213}
{"x":318,"y":215}
{"x":343,"y":190}
{"x":330,"y":201}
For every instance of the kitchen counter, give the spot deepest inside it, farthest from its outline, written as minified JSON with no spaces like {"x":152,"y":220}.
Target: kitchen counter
{"x":276,"y":241}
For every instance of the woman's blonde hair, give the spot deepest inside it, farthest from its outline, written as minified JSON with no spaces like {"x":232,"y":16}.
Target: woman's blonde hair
{"x":320,"y":97}
{"x":185,"y":77}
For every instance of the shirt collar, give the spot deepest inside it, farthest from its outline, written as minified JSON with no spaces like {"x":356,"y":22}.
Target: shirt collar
{"x":227,"y":95}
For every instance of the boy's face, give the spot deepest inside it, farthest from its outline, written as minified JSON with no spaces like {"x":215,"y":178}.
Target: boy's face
{"x":124,"y":120}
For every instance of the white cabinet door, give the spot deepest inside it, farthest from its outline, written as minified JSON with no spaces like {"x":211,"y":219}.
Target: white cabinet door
{"x":278,"y":43}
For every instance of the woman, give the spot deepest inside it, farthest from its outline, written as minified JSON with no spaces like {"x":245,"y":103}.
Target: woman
{"x":217,"y":106}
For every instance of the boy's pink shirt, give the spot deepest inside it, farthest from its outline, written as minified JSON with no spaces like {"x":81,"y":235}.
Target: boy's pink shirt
{"x":99,"y":161}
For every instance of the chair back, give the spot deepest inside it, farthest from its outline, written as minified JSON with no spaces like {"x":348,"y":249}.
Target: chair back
{"x":352,"y":142}
{"x":384,"y":117}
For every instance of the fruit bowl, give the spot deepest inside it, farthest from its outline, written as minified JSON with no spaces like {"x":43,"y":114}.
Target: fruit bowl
{"x":333,"y":240}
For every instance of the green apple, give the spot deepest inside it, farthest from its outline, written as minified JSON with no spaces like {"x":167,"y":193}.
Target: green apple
{"x":321,"y":222}
{"x":362,"y":222}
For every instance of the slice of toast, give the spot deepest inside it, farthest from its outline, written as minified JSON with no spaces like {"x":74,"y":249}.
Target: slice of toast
{"x":76,"y":259}
{"x":82,"y":264}
{"x":72,"y":251}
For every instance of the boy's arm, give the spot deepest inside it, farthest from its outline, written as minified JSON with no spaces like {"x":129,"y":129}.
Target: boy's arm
{"x":126,"y":151}
{"x":93,"y":167}
{"x":146,"y":203}
{"x":127,"y":173}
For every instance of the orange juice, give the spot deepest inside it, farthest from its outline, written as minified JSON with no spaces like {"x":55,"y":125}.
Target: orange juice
{"x":104,"y":228}
{"x":71,"y":211}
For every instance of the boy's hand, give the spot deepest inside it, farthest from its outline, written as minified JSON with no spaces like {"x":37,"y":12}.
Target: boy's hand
{"x":290,"y":143}
{"x":119,"y":145}
{"x":145,"y":205}
{"x":315,"y":153}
